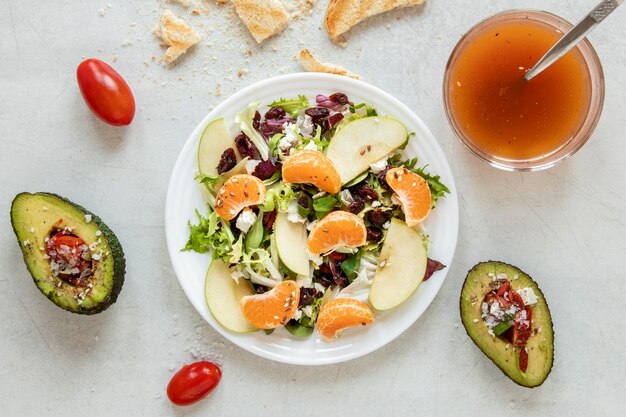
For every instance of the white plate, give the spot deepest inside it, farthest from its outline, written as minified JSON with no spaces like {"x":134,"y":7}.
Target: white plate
{"x":183,"y":197}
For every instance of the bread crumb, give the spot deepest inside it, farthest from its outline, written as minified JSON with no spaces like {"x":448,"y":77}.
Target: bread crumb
{"x":177,"y":35}
{"x":195,"y":11}
{"x":311,"y":64}
{"x":218,"y":90}
{"x":126,"y":42}
{"x":242,"y":71}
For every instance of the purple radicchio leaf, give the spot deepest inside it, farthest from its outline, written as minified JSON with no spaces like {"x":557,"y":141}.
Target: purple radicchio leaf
{"x":432,"y":266}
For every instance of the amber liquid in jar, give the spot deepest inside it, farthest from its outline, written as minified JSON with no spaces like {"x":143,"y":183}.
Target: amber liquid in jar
{"x":502,"y":114}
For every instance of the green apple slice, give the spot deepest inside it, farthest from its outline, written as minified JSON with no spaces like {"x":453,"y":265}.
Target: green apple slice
{"x":291,"y":243}
{"x":401,"y":267}
{"x":223,"y":294}
{"x":214,"y":141}
{"x":363,"y":142}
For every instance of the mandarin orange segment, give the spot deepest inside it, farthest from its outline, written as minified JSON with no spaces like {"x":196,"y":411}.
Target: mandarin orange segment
{"x":273,"y":308}
{"x":413,"y":192}
{"x":336,"y":230}
{"x":340,"y":314}
{"x":238,"y":192}
{"x":312,"y":167}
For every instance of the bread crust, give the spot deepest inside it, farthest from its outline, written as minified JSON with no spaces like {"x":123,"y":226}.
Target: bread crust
{"x":311,"y":64}
{"x":263,"y":18}
{"x":342,"y":15}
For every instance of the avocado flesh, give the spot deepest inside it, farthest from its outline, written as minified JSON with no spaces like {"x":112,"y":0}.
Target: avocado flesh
{"x":34,"y":217}
{"x":540,"y":345}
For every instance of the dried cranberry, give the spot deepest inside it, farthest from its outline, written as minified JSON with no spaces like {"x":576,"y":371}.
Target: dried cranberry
{"x":306,"y":296}
{"x":326,"y":280}
{"x":227,"y":161}
{"x":340,"y":98}
{"x":268,"y":219}
{"x":338,"y":276}
{"x":273,"y":126}
{"x":364,"y":192}
{"x":382,"y":179}
{"x":256,"y":120}
{"x":356,"y":207}
{"x":260,"y":289}
{"x":337,"y":256}
{"x":374,"y":234}
{"x":245,"y":147}
{"x":432,"y":266}
{"x":303,"y":201}
{"x":334,"y":119}
{"x":265,"y":169}
{"x":378,"y":217}
{"x":316,"y":113}
{"x":275,"y":112}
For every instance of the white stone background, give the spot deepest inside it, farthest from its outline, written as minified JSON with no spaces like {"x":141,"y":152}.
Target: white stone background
{"x":564,"y":226}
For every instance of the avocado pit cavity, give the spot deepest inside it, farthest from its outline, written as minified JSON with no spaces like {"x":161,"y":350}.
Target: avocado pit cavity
{"x":70,"y":258}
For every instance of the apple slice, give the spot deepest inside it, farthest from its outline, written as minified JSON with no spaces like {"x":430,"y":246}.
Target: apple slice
{"x":363,"y":142}
{"x":291,"y":244}
{"x":223,"y":293}
{"x":214,"y":141}
{"x":401,"y":267}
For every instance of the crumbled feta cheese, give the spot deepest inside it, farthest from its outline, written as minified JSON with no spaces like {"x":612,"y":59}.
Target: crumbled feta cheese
{"x":291,"y":137}
{"x":311,"y":146}
{"x":98,"y":232}
{"x":345,"y":196}
{"x":245,"y":220}
{"x":378,"y":166}
{"x":475,"y":320}
{"x":386,"y":225}
{"x":45,"y":208}
{"x":32,"y":230}
{"x":298,"y":315}
{"x":88,"y":218}
{"x":308,"y":310}
{"x":502,"y":276}
{"x":307,"y":128}
{"x":251,"y":165}
{"x":528,"y":296}
{"x":376,"y":203}
{"x":26,"y":242}
{"x":319,"y":287}
{"x":292,"y":213}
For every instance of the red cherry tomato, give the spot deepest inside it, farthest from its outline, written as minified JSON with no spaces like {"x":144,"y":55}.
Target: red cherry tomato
{"x":193,"y":382}
{"x":105,"y":92}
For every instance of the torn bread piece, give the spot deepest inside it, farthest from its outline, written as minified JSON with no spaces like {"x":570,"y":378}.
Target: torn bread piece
{"x":341,"y":15}
{"x":309,"y":63}
{"x":177,"y":35}
{"x":264,"y":18}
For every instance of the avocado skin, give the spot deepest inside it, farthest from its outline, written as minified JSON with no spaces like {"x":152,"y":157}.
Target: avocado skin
{"x":117,"y":253}
{"x":542,"y":297}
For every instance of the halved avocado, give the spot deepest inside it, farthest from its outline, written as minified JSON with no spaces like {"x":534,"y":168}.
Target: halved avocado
{"x":39,"y":216}
{"x":540,"y":345}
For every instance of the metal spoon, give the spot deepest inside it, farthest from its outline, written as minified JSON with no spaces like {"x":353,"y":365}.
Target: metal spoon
{"x":575,"y":35}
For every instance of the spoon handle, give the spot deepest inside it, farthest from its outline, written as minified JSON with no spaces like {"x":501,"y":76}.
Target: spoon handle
{"x":575,"y":35}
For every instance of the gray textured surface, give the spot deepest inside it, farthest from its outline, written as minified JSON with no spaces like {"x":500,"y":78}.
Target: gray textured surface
{"x":564,"y":226}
